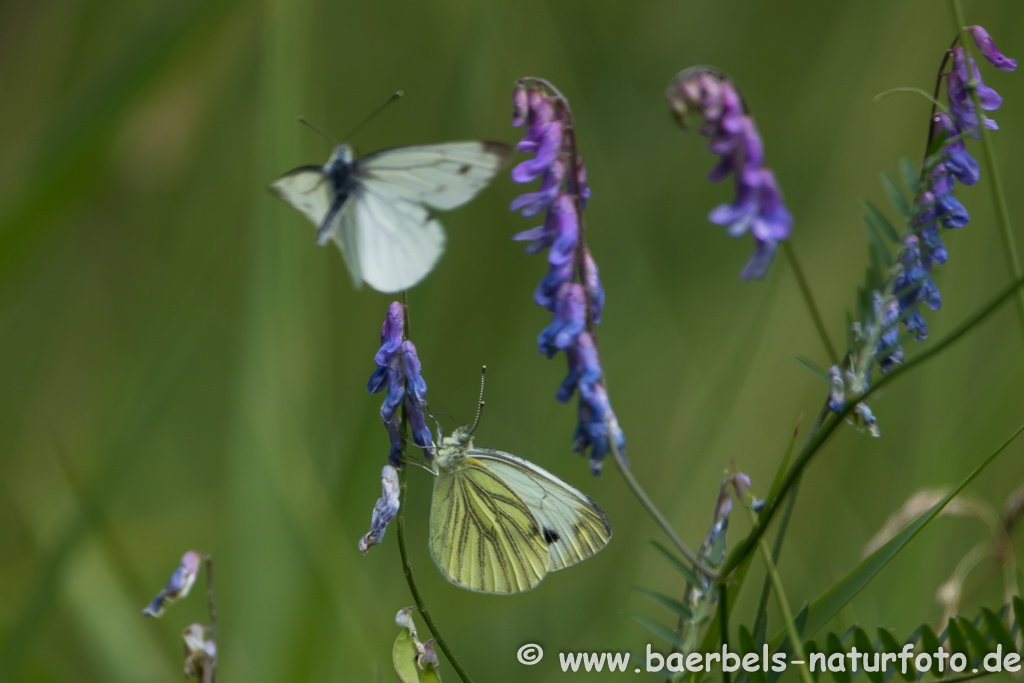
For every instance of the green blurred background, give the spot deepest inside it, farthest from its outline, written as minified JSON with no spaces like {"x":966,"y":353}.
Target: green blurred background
{"x":182,"y":366}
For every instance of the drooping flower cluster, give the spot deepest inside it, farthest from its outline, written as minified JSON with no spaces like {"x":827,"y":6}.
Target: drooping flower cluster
{"x":398,"y":371}
{"x":572,"y":289}
{"x":758,"y":206}
{"x":910,"y":284}
{"x":384,"y":511}
{"x":177,"y":586}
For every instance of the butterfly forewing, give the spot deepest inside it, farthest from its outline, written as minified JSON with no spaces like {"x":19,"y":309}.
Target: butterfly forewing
{"x":482,"y":535}
{"x":442,"y":176}
{"x":307,"y":191}
{"x":573,"y":526}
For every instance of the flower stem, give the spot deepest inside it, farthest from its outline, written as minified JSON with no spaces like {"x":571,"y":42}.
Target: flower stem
{"x":208,"y":561}
{"x":996,"y":180}
{"x":655,"y":513}
{"x":780,"y":597}
{"x":812,"y":308}
{"x":406,"y":567}
{"x":829,"y":424}
{"x":417,"y":598}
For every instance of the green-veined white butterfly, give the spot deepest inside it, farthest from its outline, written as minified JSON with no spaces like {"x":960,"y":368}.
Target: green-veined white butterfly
{"x":375,"y":208}
{"x":499,"y":524}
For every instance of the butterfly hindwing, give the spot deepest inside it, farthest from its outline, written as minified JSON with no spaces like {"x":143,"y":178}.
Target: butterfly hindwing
{"x":482,"y":535}
{"x":398,"y":241}
{"x":442,"y":176}
{"x":573,"y":526}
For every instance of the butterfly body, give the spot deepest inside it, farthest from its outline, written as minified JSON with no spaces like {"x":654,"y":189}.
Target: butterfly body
{"x":377,"y":208}
{"x":499,"y":524}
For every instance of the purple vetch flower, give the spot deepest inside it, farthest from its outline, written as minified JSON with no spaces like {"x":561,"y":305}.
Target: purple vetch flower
{"x":914,"y":286}
{"x":398,"y":372}
{"x":758,"y":207}
{"x":572,"y":288}
{"x":384,"y":511}
{"x":837,"y":393}
{"x":989,"y":50}
{"x":178,"y":586}
{"x":961,"y":105}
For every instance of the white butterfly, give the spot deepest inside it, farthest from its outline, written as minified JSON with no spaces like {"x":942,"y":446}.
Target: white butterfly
{"x":375,"y":208}
{"x":499,"y":524}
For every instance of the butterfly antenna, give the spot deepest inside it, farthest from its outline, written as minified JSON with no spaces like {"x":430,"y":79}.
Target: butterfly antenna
{"x":480,"y":406}
{"x":330,"y":138}
{"x":376,"y":111}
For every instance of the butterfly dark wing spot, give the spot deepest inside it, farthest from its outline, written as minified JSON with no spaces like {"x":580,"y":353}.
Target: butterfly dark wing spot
{"x":551,"y":536}
{"x":465,"y":169}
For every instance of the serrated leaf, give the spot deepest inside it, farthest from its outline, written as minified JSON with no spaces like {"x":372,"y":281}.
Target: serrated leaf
{"x":998,"y":629}
{"x":671,"y":603}
{"x":657,"y":629}
{"x":403,"y":655}
{"x":876,"y":217}
{"x":687,"y":573}
{"x":911,"y":176}
{"x":930,"y":643}
{"x":835,"y":646}
{"x":896,"y":198}
{"x":974,"y":636}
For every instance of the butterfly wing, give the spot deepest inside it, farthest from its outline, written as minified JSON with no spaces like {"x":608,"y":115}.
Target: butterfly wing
{"x":482,"y":535}
{"x":307,"y":190}
{"x":573,"y":526}
{"x":398,"y":241}
{"x":442,"y":176}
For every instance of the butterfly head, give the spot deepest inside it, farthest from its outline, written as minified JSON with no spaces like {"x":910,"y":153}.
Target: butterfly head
{"x":341,"y":157}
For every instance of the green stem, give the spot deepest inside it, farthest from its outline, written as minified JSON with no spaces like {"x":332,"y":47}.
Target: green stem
{"x":723,"y":618}
{"x":812,"y":308}
{"x":780,"y":597}
{"x":406,"y":567}
{"x":996,"y":180}
{"x":655,"y":513}
{"x":417,"y":598}
{"x":761,"y":621}
{"x":828,"y":426}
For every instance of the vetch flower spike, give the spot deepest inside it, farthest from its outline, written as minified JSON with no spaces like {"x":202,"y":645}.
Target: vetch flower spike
{"x":399,"y":373}
{"x":572,"y":288}
{"x":758,"y":207}
{"x":383,"y":511}
{"x":178,"y":586}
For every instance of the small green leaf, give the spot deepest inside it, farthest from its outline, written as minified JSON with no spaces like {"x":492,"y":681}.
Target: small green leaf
{"x":403,"y":655}
{"x":810,"y":648}
{"x":998,"y":630}
{"x":899,"y":202}
{"x":673,"y":604}
{"x":911,"y":176}
{"x":890,"y":644}
{"x":937,"y":143}
{"x":835,"y":646}
{"x":930,"y":643}
{"x":687,"y":573}
{"x":878,"y":247}
{"x":1018,"y":611}
{"x":957,"y":642}
{"x":863,"y":643}
{"x":978,"y":642}
{"x":811,"y":367}
{"x":657,"y":629}
{"x":879,"y":220}
{"x":747,"y":646}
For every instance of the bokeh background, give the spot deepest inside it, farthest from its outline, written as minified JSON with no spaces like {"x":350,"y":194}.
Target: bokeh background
{"x":182,"y":367}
